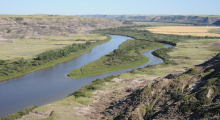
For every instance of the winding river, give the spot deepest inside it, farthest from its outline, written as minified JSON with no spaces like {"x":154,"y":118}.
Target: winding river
{"x":51,"y":84}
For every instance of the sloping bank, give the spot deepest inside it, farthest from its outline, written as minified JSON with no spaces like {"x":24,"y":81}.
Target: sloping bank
{"x":127,"y":55}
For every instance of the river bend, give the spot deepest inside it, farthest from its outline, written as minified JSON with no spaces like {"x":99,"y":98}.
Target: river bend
{"x":51,"y":84}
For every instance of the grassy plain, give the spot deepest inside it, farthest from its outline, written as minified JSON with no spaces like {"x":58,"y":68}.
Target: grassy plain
{"x":27,"y":48}
{"x":186,"y":30}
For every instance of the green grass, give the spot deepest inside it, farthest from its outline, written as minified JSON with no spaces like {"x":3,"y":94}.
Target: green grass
{"x":106,"y":70}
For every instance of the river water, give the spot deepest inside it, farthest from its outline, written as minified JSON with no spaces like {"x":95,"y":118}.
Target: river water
{"x":51,"y":84}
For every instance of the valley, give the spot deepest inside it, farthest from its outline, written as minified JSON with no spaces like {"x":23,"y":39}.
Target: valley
{"x":184,"y":86}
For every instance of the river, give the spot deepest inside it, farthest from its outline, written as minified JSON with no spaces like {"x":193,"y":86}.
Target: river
{"x":51,"y":84}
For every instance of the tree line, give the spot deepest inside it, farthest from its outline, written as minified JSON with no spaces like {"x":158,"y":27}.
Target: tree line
{"x":20,"y":65}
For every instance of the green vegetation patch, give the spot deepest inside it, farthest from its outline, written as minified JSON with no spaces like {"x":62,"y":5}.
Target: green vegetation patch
{"x":127,"y":55}
{"x":162,"y":53}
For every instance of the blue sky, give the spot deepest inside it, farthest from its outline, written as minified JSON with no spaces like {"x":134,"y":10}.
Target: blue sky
{"x":111,"y":7}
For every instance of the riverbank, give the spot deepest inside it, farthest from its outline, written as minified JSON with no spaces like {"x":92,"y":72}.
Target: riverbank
{"x":53,"y":62}
{"x":126,"y":56}
{"x":95,"y":99}
{"x":100,"y":94}
{"x":44,"y":83}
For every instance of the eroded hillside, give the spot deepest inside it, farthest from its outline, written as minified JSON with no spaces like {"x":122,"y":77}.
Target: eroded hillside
{"x":31,"y":27}
{"x":193,"y":94}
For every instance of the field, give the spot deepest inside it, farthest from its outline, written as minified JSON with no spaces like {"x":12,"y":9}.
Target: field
{"x":27,"y":48}
{"x":186,"y":30}
{"x":160,"y":24}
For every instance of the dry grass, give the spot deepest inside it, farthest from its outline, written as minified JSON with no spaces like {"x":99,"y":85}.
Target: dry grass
{"x":185,"y":30}
{"x":66,"y":109}
{"x":27,"y":48}
{"x":159,"y":24}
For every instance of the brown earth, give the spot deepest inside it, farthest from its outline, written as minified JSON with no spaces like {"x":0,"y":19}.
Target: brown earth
{"x":32,"y":26}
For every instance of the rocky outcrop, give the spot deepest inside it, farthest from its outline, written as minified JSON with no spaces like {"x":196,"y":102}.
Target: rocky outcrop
{"x":33,"y":26}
